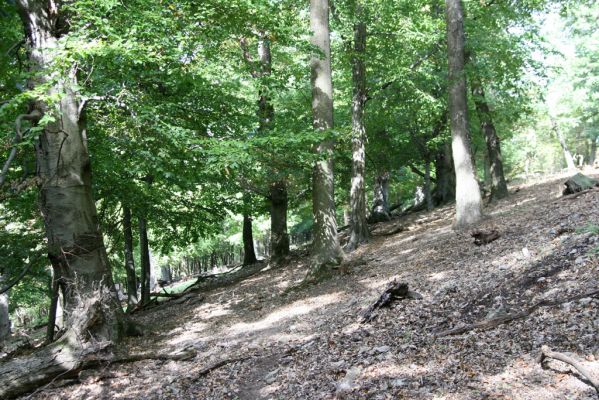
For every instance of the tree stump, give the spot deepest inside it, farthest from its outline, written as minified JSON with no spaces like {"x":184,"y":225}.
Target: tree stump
{"x":579,"y":183}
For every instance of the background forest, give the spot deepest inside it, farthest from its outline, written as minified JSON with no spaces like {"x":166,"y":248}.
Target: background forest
{"x":200,"y":130}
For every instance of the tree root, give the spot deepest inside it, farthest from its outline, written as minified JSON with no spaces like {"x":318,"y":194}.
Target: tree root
{"x":503,"y":319}
{"x":547,"y":353}
{"x":209,"y":368}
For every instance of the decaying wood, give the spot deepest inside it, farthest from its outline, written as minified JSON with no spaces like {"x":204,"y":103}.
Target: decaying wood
{"x":394,"y":230}
{"x":579,"y":183}
{"x":394,"y":291}
{"x":494,"y":322}
{"x":485,"y":237}
{"x":547,"y":353}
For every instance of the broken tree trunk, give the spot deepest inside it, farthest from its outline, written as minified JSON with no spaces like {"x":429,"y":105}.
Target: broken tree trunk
{"x":579,"y":183}
{"x":394,"y":291}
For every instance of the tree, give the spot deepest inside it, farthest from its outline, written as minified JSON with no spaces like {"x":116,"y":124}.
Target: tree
{"x":129,"y":261}
{"x":468,"y":198}
{"x":4,"y":317}
{"x":358,"y":225}
{"x":326,"y":251}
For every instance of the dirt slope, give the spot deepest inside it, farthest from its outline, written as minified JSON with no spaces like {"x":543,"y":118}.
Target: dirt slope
{"x":308,"y":344}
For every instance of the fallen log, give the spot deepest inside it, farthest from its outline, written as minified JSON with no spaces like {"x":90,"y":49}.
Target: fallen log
{"x":394,"y":291}
{"x":547,"y":353}
{"x":579,"y":183}
{"x":503,"y":319}
{"x":484,"y":237}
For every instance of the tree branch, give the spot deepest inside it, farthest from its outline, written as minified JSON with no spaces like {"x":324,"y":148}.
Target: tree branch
{"x":546,"y":353}
{"x":33,"y":116}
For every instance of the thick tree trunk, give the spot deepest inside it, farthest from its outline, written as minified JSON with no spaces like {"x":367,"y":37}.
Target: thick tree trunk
{"x":144,"y":249}
{"x":468,"y":198}
{"x":249,"y":254}
{"x":444,"y":175}
{"x":326,"y":251}
{"x":129,"y":261}
{"x":75,"y":244}
{"x":4,"y":316}
{"x":562,"y":142}
{"x":357,"y":197}
{"x":380,"y":206}
{"x":498,"y":183}
{"x":279,"y":243}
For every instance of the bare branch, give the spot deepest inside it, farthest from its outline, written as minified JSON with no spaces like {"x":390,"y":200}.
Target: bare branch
{"x":33,"y":116}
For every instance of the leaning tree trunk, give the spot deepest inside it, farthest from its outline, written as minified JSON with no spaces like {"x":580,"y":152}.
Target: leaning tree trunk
{"x":279,"y":243}
{"x":326,"y":251}
{"x":144,"y":249}
{"x":4,"y":316}
{"x":468,"y":198}
{"x":562,"y":142}
{"x":75,"y":244}
{"x":444,"y":175}
{"x":129,"y":261}
{"x":380,"y":206}
{"x":498,"y":183}
{"x":357,"y":197}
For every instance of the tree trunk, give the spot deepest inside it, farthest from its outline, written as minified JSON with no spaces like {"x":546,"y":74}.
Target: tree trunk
{"x":129,"y":262}
{"x":380,"y":207}
{"x":249,"y":254}
{"x":427,"y":186}
{"x":326,"y":251}
{"x":358,"y":225}
{"x":75,"y":244}
{"x":593,"y":155}
{"x":498,"y":183}
{"x":468,"y":198}
{"x":562,"y":142}
{"x":278,"y":221}
{"x":54,"y":293}
{"x":4,"y":316}
{"x":445,"y":176}
{"x":144,"y":249}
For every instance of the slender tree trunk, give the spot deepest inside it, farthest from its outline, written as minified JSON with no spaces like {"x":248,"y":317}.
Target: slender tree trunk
{"x":445,"y":176}
{"x":358,"y":225}
{"x":593,"y":154}
{"x":129,"y":261}
{"x":4,"y":316}
{"x":75,"y":244}
{"x":427,"y":186}
{"x":278,"y":221}
{"x":562,"y":142}
{"x":249,"y":254}
{"x":144,"y":249}
{"x":54,"y":293}
{"x":380,"y":207}
{"x":326,"y":251}
{"x":468,"y":198}
{"x":498,"y":183}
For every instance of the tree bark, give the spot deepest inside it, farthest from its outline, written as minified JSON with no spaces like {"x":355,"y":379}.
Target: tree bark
{"x":562,"y":142}
{"x":4,"y":316}
{"x":468,"y":197}
{"x":427,"y":186}
{"x":75,"y":244}
{"x":445,"y":176}
{"x":358,"y":225}
{"x":380,"y":207}
{"x":249,"y":254}
{"x":55,"y":287}
{"x":144,"y":249}
{"x":326,"y":251}
{"x":279,"y":243}
{"x":129,"y":261}
{"x":498,"y":183}
{"x":593,"y":154}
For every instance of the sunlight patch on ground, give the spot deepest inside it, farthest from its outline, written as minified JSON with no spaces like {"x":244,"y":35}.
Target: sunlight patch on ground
{"x":438,"y":276}
{"x":295,"y":309}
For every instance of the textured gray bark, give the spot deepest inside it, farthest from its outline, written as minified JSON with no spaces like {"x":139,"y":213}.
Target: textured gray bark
{"x":357,"y":197}
{"x":129,"y":261}
{"x":497,"y":178}
{"x":468,"y":197}
{"x":144,"y":249}
{"x":4,"y":317}
{"x":75,"y":244}
{"x":326,"y":251}
{"x":380,"y":206}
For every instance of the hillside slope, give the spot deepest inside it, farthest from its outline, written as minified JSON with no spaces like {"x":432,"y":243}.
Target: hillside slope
{"x":308,"y":343}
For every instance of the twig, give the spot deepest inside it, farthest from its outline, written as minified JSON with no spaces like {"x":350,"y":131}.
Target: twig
{"x":547,"y":353}
{"x":206,"y":370}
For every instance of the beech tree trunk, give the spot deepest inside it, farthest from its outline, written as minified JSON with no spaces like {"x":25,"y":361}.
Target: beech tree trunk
{"x":444,"y":175}
{"x":380,"y":206}
{"x":249,"y":254}
{"x":326,"y":251}
{"x":279,"y":242}
{"x":75,"y":244}
{"x":497,"y":178}
{"x":129,"y":261}
{"x":4,"y":316}
{"x":468,"y":197}
{"x":357,"y":197}
{"x":562,"y":142}
{"x":144,"y":249}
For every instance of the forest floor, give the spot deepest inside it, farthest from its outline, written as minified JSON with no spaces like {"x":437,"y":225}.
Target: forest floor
{"x":276,"y":343}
